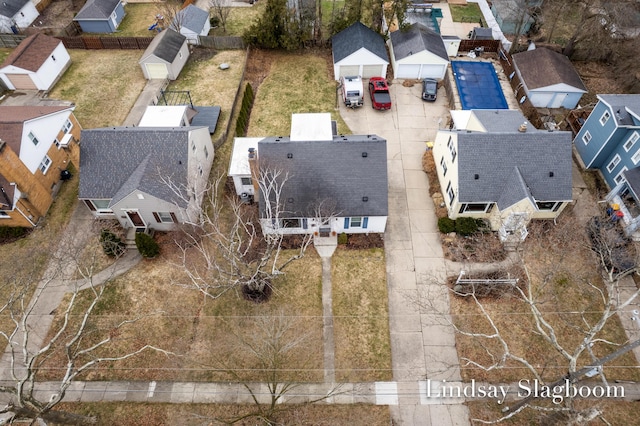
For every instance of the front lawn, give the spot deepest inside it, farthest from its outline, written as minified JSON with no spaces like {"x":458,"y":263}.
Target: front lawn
{"x":104,"y":84}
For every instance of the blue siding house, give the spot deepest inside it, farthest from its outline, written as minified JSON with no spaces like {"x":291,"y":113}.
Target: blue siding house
{"x":100,"y":16}
{"x":608,"y":139}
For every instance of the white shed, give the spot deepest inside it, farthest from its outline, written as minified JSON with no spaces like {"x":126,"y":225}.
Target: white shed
{"x":36,"y":64}
{"x":191,"y":22}
{"x":166,"y":56}
{"x":358,"y":50}
{"x":418,"y":53}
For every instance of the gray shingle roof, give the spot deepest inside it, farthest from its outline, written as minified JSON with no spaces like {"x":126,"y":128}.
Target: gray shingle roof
{"x":416,"y":39}
{"x":633,"y":180}
{"x":355,"y":37}
{"x":96,"y":10}
{"x":330,"y":170}
{"x":9,"y":8}
{"x":191,"y":17}
{"x":543,"y":67}
{"x":166,"y":45}
{"x":502,"y":120}
{"x":116,"y":161}
{"x":621,"y":104}
{"x":500,"y":158}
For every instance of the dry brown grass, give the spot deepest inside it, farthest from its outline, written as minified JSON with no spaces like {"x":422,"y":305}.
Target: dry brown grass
{"x":208,"y":84}
{"x":240,"y":19}
{"x":188,"y":414}
{"x":560,"y":266}
{"x":104,"y":84}
{"x":361,"y":323}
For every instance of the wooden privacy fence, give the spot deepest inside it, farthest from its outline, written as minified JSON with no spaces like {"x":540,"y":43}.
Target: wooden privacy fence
{"x":106,"y":42}
{"x":221,"y":42}
{"x":489,"y":45}
{"x":11,"y":40}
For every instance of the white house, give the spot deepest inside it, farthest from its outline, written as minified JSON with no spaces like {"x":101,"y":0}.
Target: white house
{"x":145,"y":177}
{"x":165,"y":57}
{"x":36,"y":64}
{"x":549,"y":78}
{"x":508,"y":177}
{"x":191,"y":22}
{"x":333,"y":183}
{"x":417,"y":53}
{"x":16,"y":14}
{"x":359,"y":51}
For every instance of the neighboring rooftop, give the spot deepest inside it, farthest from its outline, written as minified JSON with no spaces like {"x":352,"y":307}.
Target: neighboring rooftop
{"x":416,"y":39}
{"x":96,"y":10}
{"x":354,"y":38}
{"x":9,"y":8}
{"x":32,"y":52}
{"x":492,"y":121}
{"x":191,"y":17}
{"x":625,"y":107}
{"x":542,"y":67}
{"x":166,"y":45}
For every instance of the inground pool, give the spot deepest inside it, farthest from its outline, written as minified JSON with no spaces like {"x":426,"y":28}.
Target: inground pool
{"x":478,"y":85}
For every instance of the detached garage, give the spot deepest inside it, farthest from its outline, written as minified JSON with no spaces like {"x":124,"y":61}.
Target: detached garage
{"x":165,"y":57}
{"x":36,"y":64}
{"x":418,"y":53}
{"x":358,"y":50}
{"x":549,"y":79}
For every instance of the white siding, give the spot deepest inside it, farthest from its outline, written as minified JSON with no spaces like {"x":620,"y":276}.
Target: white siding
{"x":51,"y":70}
{"x":375,"y":224}
{"x":23,"y":18}
{"x":145,"y":207}
{"x":360,"y":58}
{"x":45,"y":129}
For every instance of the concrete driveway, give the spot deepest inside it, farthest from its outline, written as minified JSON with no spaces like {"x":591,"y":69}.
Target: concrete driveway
{"x":422,"y":344}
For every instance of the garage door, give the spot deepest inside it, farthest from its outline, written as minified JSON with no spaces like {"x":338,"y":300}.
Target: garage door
{"x":432,"y":71}
{"x":22,"y":81}
{"x":349,"y":70}
{"x":369,"y":71}
{"x":156,"y":70}
{"x":408,"y":71}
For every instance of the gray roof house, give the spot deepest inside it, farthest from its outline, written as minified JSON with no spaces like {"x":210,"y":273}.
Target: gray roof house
{"x":191,"y":22}
{"x":16,"y":14}
{"x":507,"y":178}
{"x":417,"y":53}
{"x":549,"y":78}
{"x":100,"y":16}
{"x":345,"y":177}
{"x":358,"y":50}
{"x":165,"y":57}
{"x":146,"y":178}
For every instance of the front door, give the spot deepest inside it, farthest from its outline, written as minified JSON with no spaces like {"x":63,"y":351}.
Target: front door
{"x":136,"y":220}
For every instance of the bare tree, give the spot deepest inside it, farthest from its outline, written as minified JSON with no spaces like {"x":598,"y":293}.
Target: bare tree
{"x":75,"y":344}
{"x":225,"y":247}
{"x":169,"y":14}
{"x":570,"y":339}
{"x":221,"y":9}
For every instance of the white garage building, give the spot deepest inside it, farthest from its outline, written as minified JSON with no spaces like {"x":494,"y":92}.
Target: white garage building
{"x":418,"y":53}
{"x":358,"y":50}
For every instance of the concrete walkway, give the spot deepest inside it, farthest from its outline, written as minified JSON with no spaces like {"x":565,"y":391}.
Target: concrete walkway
{"x":325,"y":246}
{"x":148,"y":96}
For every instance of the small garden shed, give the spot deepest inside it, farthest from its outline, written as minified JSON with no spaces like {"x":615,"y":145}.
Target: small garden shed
{"x":166,"y":56}
{"x":100,"y":16}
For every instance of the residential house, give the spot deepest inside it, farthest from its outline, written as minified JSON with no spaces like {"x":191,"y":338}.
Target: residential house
{"x":191,"y":22}
{"x":36,"y":64}
{"x":506,"y":177}
{"x":16,"y":14}
{"x":166,"y":56}
{"x":548,"y":78}
{"x":418,"y":53}
{"x":608,"y":142}
{"x":359,"y":51}
{"x":36,"y":144}
{"x":328,"y":183}
{"x":607,"y":139}
{"x":145,"y":177}
{"x":100,"y":16}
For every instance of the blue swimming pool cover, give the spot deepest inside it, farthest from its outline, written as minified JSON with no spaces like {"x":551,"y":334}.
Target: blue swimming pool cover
{"x":478,"y":85}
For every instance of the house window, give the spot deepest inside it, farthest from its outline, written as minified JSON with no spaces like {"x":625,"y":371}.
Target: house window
{"x":33,"y":138}
{"x":614,"y":163}
{"x":291,"y":223}
{"x":443,"y":164}
{"x":165,"y":217}
{"x":552,"y":206}
{"x":631,"y":141}
{"x":619,"y":178}
{"x":56,"y":142}
{"x":246,"y":180}
{"x":44,"y":165}
{"x":636,"y":157}
{"x":67,"y":126}
{"x":605,"y":117}
{"x":475,"y":208}
{"x":452,"y":149}
{"x":586,"y":138}
{"x":4,"y":215}
{"x":450,"y":193}
{"x":99,"y":206}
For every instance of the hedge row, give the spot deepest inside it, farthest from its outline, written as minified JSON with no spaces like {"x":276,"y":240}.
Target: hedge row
{"x":245,"y":111}
{"x":463,"y":225}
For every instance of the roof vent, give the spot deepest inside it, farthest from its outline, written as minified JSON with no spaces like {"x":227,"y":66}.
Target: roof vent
{"x":523,"y":127}
{"x":289,"y":155}
{"x":365,"y":199}
{"x":550,"y":174}
{"x":289,"y":200}
{"x":476,"y":176}
{"x":365,"y":155}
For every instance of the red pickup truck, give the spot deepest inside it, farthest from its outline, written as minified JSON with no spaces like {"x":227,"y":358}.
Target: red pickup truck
{"x":379,"y":91}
